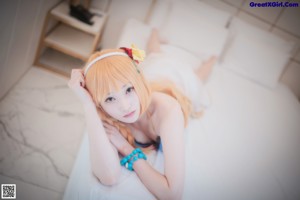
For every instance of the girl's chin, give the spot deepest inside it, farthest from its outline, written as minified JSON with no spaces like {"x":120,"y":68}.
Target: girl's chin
{"x":130,"y":120}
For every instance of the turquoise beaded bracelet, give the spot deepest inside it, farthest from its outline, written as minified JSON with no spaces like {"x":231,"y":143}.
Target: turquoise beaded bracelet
{"x":128,"y":160}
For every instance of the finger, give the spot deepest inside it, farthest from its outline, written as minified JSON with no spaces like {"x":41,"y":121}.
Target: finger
{"x":111,"y":127}
{"x":109,"y":132}
{"x":105,"y":125}
{"x":76,"y":75}
{"x":81,"y":80}
{"x":76,"y":72}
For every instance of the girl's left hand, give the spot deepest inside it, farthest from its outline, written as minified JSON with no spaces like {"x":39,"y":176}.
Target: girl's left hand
{"x":115,"y":137}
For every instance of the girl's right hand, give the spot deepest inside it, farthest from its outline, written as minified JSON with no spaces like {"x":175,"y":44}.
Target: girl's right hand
{"x":77,"y":85}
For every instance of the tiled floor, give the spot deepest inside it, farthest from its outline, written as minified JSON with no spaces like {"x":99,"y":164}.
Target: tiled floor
{"x":41,"y":126}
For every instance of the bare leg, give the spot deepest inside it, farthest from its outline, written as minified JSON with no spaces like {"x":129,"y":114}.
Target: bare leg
{"x":204,"y":70}
{"x":153,"y":44}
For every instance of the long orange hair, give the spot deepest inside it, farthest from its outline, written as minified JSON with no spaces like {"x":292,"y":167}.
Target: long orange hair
{"x":102,"y":77}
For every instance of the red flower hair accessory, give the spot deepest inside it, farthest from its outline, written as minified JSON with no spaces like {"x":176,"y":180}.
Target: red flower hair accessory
{"x":134,"y":53}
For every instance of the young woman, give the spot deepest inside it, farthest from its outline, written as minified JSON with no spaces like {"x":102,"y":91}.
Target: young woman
{"x":124,"y":111}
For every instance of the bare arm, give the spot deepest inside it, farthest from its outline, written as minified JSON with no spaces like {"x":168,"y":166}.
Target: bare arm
{"x":103,"y":155}
{"x":169,"y":185}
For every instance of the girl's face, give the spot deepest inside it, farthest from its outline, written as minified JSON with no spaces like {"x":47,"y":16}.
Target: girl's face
{"x":123,"y":105}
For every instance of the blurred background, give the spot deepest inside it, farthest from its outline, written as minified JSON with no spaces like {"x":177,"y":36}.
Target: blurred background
{"x":41,"y":121}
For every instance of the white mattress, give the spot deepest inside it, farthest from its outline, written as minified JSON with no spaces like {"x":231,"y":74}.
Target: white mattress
{"x":245,"y":147}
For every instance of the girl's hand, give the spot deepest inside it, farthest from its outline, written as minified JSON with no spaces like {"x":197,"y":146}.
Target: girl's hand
{"x":116,"y":138}
{"x":77,"y":85}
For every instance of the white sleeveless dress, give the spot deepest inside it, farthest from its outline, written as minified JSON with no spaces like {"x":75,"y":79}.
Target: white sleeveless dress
{"x":177,"y":66}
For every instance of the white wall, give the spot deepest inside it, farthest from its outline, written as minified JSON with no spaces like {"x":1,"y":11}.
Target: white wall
{"x":283,"y":22}
{"x":280,"y":21}
{"x":119,"y":11}
{"x":21,"y":22}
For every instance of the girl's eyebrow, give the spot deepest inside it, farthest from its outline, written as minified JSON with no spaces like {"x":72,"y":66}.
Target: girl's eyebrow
{"x":125,"y":85}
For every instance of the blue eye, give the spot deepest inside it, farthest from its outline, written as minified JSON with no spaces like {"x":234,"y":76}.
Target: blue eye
{"x":129,"y":90}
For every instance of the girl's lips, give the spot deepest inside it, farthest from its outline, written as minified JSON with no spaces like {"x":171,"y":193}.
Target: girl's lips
{"x":130,"y":114}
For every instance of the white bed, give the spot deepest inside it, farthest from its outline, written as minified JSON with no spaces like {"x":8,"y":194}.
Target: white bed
{"x":247,"y":144}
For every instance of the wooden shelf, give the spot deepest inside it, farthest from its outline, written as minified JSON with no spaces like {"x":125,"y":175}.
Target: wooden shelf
{"x":71,"y":38}
{"x":70,"y":41}
{"x":58,"y":62}
{"x":61,"y":13}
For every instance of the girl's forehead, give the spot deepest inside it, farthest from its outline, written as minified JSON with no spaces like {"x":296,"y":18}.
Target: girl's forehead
{"x":118,"y":86}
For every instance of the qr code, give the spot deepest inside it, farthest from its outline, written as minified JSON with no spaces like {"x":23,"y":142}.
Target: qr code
{"x":8,"y":191}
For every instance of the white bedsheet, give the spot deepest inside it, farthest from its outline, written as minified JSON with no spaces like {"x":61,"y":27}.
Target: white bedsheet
{"x":246,"y":146}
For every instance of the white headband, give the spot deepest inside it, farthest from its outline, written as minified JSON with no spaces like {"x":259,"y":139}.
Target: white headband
{"x":103,"y":56}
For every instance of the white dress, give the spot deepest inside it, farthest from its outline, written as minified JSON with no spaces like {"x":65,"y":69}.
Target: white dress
{"x":176,"y":65}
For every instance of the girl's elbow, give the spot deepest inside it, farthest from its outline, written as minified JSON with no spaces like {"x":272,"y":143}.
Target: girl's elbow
{"x":175,"y":194}
{"x":109,"y":181}
{"x":109,"y":178}
{"x":171,"y":195}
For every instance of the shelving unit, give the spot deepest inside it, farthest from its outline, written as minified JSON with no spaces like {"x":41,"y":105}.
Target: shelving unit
{"x":69,"y":36}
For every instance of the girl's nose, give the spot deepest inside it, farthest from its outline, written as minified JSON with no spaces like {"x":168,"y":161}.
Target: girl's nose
{"x":125,"y":105}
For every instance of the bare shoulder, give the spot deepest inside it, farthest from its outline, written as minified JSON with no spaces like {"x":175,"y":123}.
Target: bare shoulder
{"x":164,"y":102}
{"x":165,"y":106}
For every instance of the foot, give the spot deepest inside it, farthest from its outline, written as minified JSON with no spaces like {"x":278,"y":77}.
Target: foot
{"x":205,"y":69}
{"x":153,"y":44}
